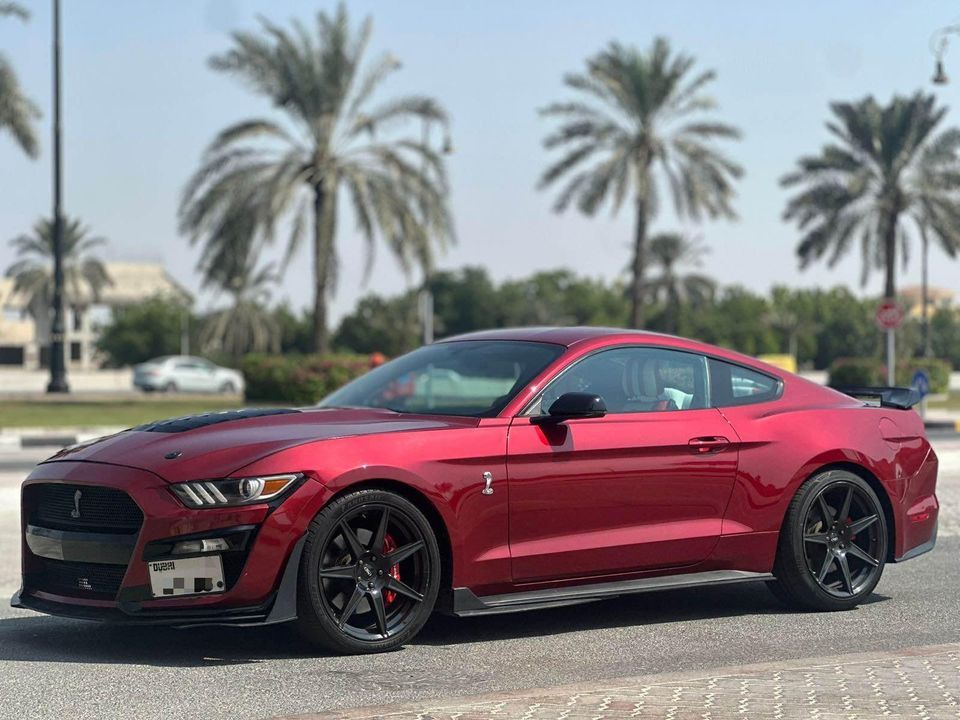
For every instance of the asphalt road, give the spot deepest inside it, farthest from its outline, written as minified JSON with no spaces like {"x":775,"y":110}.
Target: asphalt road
{"x":59,"y":668}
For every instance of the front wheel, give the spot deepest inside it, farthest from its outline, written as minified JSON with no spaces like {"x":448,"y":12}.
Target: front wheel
{"x":833,"y":543}
{"x":370,"y":573}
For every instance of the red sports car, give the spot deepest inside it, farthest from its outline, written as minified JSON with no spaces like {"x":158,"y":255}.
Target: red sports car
{"x":493,"y":472}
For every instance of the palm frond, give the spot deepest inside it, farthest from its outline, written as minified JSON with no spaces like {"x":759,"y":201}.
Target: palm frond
{"x":887,"y":166}
{"x":17,"y":112}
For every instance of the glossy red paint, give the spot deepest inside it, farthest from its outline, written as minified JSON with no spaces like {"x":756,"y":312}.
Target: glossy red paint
{"x":618,"y":497}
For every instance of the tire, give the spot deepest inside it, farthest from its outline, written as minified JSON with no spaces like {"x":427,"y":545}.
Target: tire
{"x":228,"y":388}
{"x":835,"y":521}
{"x":170,"y":387}
{"x":385,"y":579}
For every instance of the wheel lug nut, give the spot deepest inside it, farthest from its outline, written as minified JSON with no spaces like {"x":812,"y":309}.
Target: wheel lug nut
{"x":379,"y":572}
{"x":370,"y":585}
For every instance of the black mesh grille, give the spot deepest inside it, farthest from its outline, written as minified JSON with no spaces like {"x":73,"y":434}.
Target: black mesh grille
{"x":85,"y":580}
{"x":83,"y":507}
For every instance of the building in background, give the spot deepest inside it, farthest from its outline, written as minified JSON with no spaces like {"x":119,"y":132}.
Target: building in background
{"x":25,"y":335}
{"x":940,"y":298}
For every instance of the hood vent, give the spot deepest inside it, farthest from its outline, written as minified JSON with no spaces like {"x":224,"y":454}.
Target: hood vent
{"x":193,"y":422}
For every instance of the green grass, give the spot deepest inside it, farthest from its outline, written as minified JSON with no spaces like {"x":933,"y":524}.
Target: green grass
{"x":91,"y":413}
{"x":951,"y":402}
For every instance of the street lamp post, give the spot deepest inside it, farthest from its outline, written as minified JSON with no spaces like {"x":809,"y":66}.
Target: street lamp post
{"x":58,"y":370}
{"x":425,"y":299}
{"x":925,"y":290}
{"x":939,"y":42}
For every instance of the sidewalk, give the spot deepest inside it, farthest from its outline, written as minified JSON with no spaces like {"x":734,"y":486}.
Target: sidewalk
{"x":921,"y":683}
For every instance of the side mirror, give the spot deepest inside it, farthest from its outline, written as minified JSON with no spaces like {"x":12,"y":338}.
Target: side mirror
{"x":573,"y":406}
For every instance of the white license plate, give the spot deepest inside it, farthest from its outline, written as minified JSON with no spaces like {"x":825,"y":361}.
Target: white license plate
{"x":187,"y":576}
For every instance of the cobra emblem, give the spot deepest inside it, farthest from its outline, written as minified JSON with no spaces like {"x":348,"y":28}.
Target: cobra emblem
{"x":75,"y":513}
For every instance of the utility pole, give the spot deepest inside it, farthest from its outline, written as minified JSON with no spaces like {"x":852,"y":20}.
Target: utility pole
{"x":925,"y":290}
{"x":58,"y":369}
{"x":425,"y":296}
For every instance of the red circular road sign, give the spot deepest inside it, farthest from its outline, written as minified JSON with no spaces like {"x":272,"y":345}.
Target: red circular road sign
{"x":889,"y":315}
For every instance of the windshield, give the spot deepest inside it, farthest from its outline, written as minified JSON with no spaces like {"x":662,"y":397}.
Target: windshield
{"x":474,"y":378}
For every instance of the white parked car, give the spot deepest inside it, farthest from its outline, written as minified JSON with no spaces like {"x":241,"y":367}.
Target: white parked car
{"x":183,"y":373}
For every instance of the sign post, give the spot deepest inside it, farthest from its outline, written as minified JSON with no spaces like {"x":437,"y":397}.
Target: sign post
{"x":921,"y":383}
{"x":889,"y":317}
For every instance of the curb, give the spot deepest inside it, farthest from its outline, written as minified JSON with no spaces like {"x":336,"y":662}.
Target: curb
{"x":949,"y":425}
{"x":13,"y":440}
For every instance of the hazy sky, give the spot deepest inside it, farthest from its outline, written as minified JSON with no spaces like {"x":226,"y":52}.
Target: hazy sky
{"x":141,"y":104}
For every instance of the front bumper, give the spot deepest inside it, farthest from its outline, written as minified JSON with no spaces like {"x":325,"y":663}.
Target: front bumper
{"x":261,"y":589}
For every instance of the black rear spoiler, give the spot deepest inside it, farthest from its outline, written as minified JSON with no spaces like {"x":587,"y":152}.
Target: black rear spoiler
{"x":890,"y":397}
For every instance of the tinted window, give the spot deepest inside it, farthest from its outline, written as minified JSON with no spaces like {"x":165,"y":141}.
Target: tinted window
{"x":634,"y":379}
{"x":736,"y":385}
{"x":474,"y":378}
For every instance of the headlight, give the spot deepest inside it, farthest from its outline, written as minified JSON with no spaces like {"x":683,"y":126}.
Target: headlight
{"x":232,"y":491}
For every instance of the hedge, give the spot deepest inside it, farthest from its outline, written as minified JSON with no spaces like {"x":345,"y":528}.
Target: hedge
{"x":937,"y":370}
{"x":857,"y":371}
{"x":300,"y":379}
{"x":865,"y":371}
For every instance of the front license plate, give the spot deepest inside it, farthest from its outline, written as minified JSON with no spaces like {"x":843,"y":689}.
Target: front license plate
{"x":188,"y":576}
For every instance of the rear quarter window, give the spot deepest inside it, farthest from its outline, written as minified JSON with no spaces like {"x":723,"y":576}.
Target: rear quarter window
{"x":732,"y":384}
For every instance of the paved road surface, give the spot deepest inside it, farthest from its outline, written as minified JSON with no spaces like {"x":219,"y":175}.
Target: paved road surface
{"x":59,"y":668}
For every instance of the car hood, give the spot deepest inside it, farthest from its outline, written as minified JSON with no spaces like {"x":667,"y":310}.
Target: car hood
{"x":217,"y":444}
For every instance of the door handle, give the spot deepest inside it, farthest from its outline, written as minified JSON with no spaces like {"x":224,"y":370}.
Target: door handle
{"x":708,"y":444}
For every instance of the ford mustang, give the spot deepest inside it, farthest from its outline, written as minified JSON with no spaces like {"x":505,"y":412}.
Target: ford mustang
{"x":493,"y":472}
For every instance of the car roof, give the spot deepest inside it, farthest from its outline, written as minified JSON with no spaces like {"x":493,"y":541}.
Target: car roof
{"x":557,"y":335}
{"x":598,"y":336}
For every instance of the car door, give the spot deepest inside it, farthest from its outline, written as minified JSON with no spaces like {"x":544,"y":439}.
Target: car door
{"x":208,"y":379}
{"x":187,"y":375}
{"x":643,"y":487}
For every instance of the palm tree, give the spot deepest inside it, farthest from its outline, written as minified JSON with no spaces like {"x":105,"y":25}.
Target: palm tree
{"x":885,"y":167}
{"x":246,"y":325}
{"x":636,"y":127}
{"x":335,"y":146}
{"x":787,"y":317}
{"x":17,"y":112}
{"x":670,"y":252}
{"x":84,"y":275}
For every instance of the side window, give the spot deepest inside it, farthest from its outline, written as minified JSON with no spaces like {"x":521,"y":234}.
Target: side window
{"x":634,"y":379}
{"x":736,"y":385}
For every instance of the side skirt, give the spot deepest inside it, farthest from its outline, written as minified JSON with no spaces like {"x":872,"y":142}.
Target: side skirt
{"x":466,"y":604}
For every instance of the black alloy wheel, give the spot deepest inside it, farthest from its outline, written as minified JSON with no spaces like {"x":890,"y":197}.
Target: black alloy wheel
{"x":370,"y":573}
{"x":833,"y":545}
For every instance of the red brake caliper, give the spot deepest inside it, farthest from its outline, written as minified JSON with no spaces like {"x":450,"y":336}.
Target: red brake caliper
{"x":388,"y":547}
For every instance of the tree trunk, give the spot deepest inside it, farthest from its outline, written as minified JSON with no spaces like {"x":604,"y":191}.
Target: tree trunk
{"x":890,"y":256}
{"x":324,"y":224}
{"x":673,"y":301}
{"x":637,"y":309}
{"x":925,"y":290}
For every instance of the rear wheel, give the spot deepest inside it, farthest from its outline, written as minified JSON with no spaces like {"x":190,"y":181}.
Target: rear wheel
{"x":833,"y":543}
{"x":370,"y":573}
